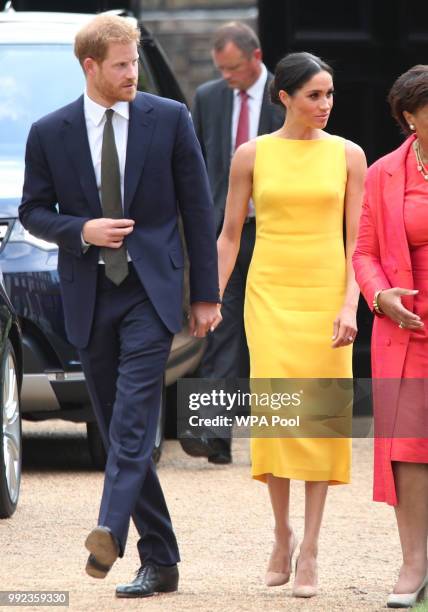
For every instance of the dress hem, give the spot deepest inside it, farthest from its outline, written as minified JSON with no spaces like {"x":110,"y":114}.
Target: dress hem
{"x":262,"y":477}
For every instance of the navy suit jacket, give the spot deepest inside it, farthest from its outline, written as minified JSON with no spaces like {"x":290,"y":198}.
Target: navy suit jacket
{"x":164,"y":173}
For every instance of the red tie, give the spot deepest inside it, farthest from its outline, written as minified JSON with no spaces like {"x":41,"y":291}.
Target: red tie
{"x":243,"y":129}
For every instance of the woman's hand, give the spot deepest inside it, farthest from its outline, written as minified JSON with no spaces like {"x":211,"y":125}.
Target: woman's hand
{"x":389,"y":301}
{"x":203,"y":318}
{"x":344,"y":327}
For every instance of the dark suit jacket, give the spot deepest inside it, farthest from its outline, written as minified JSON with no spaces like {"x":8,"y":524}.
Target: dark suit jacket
{"x":164,"y":167}
{"x":212,"y":116}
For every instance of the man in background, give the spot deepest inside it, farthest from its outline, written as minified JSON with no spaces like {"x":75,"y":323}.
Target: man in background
{"x":226,"y":113}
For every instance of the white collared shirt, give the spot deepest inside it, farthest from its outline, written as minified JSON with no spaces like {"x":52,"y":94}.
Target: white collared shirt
{"x":95,"y":120}
{"x":255,"y":100}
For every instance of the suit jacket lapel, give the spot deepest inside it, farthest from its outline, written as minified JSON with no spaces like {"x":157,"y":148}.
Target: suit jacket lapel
{"x":226,"y":108}
{"x":77,"y":146}
{"x":265,"y":121}
{"x":142,"y":121}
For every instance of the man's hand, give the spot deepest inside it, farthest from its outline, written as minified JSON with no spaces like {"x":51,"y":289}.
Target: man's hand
{"x":204,"y":317}
{"x":107,"y":232}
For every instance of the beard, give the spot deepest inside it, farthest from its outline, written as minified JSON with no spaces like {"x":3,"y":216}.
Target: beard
{"x":116,"y":92}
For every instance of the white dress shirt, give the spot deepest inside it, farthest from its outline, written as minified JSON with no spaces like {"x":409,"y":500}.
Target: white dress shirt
{"x":255,"y":100}
{"x":95,"y":119}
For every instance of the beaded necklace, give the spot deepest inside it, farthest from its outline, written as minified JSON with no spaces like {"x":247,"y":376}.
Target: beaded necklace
{"x":421,"y":166}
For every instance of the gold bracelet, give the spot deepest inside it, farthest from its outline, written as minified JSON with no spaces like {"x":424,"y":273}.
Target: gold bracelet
{"x":378,"y":310}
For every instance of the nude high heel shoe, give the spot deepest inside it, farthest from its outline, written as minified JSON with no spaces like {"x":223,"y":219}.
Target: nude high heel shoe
{"x":273,"y":579}
{"x":406,"y":600}
{"x":304,"y":590}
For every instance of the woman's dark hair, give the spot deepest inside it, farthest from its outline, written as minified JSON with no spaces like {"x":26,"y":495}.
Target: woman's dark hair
{"x":409,"y":93}
{"x":293,"y":71}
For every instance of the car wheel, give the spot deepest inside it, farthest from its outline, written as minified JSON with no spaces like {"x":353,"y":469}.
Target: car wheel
{"x":11,"y":438}
{"x":96,"y":446}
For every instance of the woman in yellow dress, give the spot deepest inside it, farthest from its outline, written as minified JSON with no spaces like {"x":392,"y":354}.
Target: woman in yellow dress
{"x":301,"y":295}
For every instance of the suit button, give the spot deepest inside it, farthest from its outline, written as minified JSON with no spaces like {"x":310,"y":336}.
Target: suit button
{"x":395,"y":270}
{"x":388,"y":342}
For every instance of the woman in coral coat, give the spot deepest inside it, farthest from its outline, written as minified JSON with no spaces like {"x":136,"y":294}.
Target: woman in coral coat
{"x":391,"y":267}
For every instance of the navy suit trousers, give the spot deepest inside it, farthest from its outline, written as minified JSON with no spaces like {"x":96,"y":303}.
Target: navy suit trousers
{"x":124,"y":364}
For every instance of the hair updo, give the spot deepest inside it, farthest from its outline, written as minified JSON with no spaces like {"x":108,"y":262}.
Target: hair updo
{"x":409,"y":93}
{"x":293,"y":71}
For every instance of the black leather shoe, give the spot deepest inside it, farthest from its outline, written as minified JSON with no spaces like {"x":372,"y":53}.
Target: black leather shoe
{"x":150,"y":579}
{"x":216,"y":450}
{"x":221,"y":458}
{"x":104,"y":549}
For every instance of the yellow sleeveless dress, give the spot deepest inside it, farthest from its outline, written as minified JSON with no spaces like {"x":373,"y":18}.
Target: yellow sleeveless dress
{"x":295,"y":288}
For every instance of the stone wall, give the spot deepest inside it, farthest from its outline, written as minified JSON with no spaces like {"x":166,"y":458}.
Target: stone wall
{"x":184,"y":28}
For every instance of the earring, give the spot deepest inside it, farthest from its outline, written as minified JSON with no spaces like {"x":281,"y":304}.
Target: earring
{"x":412,"y":127}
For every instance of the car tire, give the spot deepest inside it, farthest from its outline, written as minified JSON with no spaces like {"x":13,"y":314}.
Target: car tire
{"x":96,"y":445}
{"x":11,"y":435}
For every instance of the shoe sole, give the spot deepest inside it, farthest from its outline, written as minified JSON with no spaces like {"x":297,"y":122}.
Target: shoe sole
{"x":136,"y":595}
{"x":304,"y":594}
{"x":194,"y":448}
{"x":101,"y":545}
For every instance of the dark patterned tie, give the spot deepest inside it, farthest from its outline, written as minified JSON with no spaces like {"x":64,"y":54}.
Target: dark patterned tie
{"x":111,"y":201}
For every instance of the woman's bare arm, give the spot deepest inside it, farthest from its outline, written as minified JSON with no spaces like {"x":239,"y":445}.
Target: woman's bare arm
{"x":239,"y":194}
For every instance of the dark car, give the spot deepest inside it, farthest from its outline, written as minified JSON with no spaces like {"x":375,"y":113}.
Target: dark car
{"x":10,"y":386}
{"x":39,"y":73}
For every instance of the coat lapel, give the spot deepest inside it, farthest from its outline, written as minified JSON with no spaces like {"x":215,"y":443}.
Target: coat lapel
{"x":142,"y":120}
{"x":77,"y":146}
{"x":395,"y":183}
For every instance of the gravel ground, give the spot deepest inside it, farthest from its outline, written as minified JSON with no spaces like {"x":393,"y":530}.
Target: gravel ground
{"x":223,"y":522}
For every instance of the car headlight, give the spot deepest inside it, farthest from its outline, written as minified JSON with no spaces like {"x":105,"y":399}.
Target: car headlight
{"x":20,"y":234}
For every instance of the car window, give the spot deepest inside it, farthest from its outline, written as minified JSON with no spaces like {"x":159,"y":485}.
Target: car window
{"x":36,"y":79}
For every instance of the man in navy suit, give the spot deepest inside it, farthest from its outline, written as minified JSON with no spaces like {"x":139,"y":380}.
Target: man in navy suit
{"x":105,"y":178}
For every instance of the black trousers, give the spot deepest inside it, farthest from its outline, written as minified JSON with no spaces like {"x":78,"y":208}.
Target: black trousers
{"x":124,"y":364}
{"x":226,"y":355}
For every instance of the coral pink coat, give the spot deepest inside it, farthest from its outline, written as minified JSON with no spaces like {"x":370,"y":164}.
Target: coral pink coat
{"x":381,"y":261}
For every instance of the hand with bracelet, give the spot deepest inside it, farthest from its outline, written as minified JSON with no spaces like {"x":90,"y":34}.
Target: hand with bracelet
{"x":392,"y":248}
{"x":389,"y":303}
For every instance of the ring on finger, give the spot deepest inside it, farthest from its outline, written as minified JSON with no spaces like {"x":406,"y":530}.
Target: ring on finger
{"x":401,"y":325}
{"x":350,"y":339}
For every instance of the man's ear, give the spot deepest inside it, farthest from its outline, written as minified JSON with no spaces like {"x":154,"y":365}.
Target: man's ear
{"x":258,"y":55}
{"x":89,"y":65}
